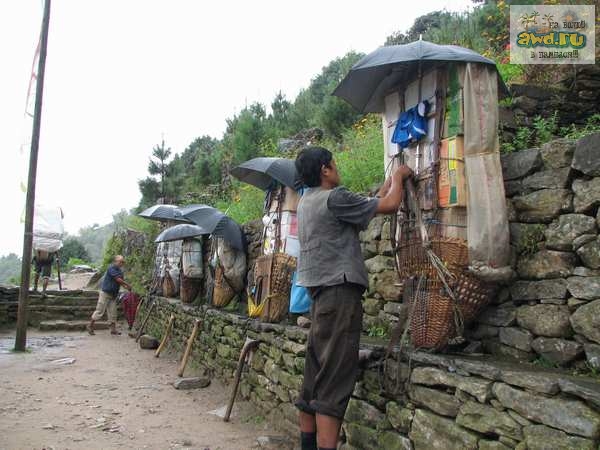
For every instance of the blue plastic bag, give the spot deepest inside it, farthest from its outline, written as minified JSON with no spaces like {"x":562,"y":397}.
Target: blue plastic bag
{"x":411,"y":125}
{"x":300,"y":300}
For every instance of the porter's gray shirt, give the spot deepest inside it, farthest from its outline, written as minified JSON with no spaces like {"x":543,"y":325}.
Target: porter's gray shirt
{"x":328,"y":226}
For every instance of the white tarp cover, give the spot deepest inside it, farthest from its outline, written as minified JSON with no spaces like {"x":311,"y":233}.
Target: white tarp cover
{"x":233,"y":262}
{"x":48,"y":229}
{"x":168,"y":256}
{"x":191,"y":258}
{"x":487,"y":228}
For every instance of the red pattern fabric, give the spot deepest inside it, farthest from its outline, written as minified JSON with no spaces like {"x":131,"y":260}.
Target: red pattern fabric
{"x":130,"y":305}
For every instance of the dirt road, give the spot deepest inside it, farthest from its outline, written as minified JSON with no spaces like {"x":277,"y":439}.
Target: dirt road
{"x":112,"y":396}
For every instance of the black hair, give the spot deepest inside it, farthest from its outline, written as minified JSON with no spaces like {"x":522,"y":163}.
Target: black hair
{"x":309,"y":162}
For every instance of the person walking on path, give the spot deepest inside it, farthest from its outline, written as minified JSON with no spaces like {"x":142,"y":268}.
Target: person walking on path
{"x":42,"y":262}
{"x":331,"y":266}
{"x":107,"y":298}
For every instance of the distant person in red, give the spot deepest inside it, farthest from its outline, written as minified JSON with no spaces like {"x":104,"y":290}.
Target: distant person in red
{"x":107,"y":299}
{"x":42,"y":262}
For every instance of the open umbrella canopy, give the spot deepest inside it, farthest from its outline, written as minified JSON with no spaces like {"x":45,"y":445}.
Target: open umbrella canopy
{"x":164,"y":213}
{"x":372,"y":78}
{"x":261,"y":172}
{"x":215,"y":222}
{"x":179,"y":232}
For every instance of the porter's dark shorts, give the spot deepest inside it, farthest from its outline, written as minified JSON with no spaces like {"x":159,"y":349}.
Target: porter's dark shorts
{"x":44,"y":268}
{"x":331,"y":365}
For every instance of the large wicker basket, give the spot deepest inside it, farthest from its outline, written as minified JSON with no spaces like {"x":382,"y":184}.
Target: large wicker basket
{"x":273,"y":281}
{"x":190,"y":287}
{"x":432,"y":312}
{"x":222,"y":291}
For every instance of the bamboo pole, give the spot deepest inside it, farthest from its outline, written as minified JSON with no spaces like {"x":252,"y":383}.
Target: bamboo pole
{"x":249,"y":346}
{"x":21,"y":334}
{"x":188,"y":349}
{"x":165,"y":338}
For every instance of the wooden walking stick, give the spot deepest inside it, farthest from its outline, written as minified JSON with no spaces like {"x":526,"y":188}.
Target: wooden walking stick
{"x":188,"y":348}
{"x":250,"y":345}
{"x":144,"y":322}
{"x":163,"y":342}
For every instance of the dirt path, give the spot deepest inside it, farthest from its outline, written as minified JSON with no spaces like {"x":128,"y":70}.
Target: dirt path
{"x":113,"y":395}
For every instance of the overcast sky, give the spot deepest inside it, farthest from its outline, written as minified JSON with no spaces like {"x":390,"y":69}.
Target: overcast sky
{"x":122,"y":73}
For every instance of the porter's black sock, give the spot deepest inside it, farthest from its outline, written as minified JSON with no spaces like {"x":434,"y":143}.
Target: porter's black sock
{"x":308,"y":440}
{"x":326,"y":448}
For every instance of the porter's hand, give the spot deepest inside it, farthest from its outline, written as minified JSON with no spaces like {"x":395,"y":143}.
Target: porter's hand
{"x":402,"y":173}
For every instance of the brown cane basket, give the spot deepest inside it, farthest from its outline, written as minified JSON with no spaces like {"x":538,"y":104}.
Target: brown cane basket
{"x":222,"y":291}
{"x":277,"y":302}
{"x":190,"y":287}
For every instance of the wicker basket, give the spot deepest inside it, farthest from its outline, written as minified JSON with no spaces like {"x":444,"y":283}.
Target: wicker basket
{"x":222,"y":292}
{"x":412,"y":259}
{"x":190,"y":287}
{"x":472,"y":295}
{"x":431,"y":315}
{"x":273,"y":276}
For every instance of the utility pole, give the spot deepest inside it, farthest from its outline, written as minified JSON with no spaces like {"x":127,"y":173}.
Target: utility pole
{"x":21,"y":336}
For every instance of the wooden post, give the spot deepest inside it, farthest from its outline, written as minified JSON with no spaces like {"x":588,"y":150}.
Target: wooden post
{"x":165,"y":338}
{"x":21,"y":335}
{"x":144,"y":322}
{"x":188,"y":348}
{"x":58,"y":270}
{"x":249,"y":346}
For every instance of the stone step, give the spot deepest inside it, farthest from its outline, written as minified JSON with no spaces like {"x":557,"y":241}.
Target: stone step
{"x":69,"y":325}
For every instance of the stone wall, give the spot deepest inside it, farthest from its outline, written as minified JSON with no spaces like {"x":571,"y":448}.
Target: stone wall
{"x":551,"y":312}
{"x":429,"y":402}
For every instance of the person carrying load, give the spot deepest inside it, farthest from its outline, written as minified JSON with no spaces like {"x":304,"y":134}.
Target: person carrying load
{"x":42,"y":262}
{"x":332,"y":268}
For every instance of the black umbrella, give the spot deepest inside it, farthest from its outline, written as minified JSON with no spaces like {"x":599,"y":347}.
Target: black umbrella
{"x":216,"y":223}
{"x":179,"y":232}
{"x":164,"y":213}
{"x":376,"y":74}
{"x":261,"y":172}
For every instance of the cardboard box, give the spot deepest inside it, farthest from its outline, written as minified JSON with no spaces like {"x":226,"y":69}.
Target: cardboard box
{"x":452,"y":185}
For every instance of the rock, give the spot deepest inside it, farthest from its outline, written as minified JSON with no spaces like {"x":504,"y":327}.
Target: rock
{"x":592,"y":354}
{"x":586,"y":321}
{"x":369,"y":249}
{"x":534,"y":290}
{"x":518,"y":164}
{"x":399,"y":418}
{"x":361,"y":437}
{"x":273,"y":443}
{"x":374,"y":230}
{"x":582,"y":240}
{"x":492,"y":445}
{"x":512,"y":187}
{"x":543,"y":206}
{"x":303,"y":322}
{"x":494,"y":347}
{"x":511,"y":212}
{"x":586,"y":158}
{"x":191,"y":383}
{"x":587,"y":194}
{"x":585,"y":272}
{"x":539,"y":437}
{"x":516,"y":337}
{"x":430,"y":431}
{"x":558,"y":153}
{"x":590,"y":254}
{"x":583,"y":388}
{"x":488,"y":420}
{"x":558,"y":351}
{"x":546,"y":264}
{"x":532,"y":381}
{"x":545,"y":320}
{"x":398,"y":309}
{"x":547,"y":179}
{"x":430,"y":376}
{"x":571,"y":416}
{"x":385,"y":248}
{"x":561,"y":233}
{"x":363,"y":413}
{"x":372,"y":306}
{"x":388,"y":285}
{"x":437,"y":401}
{"x":500,"y":317}
{"x":393,"y":441}
{"x":484,"y":331}
{"x":575,"y":303}
{"x":379,"y":263}
{"x":585,"y":288}
{"x":148,"y":342}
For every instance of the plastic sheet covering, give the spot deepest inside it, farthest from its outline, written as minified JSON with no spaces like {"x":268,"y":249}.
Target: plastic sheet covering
{"x":487,"y":231}
{"x":168,"y":257}
{"x":48,"y":229}
{"x":233,"y":262}
{"x":191,"y":258}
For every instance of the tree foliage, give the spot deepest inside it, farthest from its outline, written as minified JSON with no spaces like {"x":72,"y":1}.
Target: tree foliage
{"x":72,"y":248}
